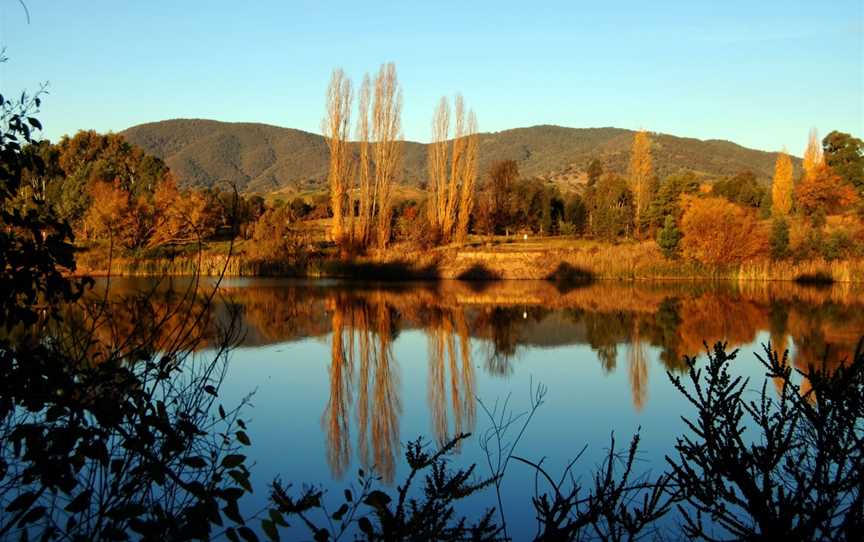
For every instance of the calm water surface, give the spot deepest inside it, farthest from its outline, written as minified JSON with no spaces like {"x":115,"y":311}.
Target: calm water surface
{"x":344,"y":374}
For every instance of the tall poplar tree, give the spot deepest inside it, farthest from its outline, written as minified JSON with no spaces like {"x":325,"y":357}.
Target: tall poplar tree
{"x":336,"y":127}
{"x":452,"y":171}
{"x":781,"y":186}
{"x":641,"y":173}
{"x":813,"y":156}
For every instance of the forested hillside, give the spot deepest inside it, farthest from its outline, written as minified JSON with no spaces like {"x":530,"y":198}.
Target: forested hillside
{"x":263,"y":158}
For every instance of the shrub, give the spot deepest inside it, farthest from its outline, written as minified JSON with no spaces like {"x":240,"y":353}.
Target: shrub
{"x":716,"y":232}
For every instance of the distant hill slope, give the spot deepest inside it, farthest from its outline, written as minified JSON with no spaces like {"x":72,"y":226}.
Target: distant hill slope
{"x":264,"y":158}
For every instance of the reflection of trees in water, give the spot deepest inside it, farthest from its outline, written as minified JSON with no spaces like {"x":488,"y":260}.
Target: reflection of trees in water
{"x":673,"y":318}
{"x":362,"y":337}
{"x":500,"y":327}
{"x":362,"y":361}
{"x":638,"y":367}
{"x":132,"y":320}
{"x":448,"y":357}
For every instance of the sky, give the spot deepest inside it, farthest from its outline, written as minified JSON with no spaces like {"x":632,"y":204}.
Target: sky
{"x":761,"y":74}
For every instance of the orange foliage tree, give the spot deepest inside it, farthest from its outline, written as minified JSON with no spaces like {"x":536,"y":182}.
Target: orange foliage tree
{"x":182,"y":217}
{"x":717,"y":232}
{"x":117,"y":215}
{"x":823,"y":190}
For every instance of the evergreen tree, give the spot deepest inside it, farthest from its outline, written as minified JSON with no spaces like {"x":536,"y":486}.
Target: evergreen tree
{"x":779,"y":241}
{"x":669,"y":237}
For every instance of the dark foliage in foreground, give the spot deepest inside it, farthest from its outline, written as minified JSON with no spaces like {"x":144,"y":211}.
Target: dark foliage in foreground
{"x":772,"y":468}
{"x":379,"y":517}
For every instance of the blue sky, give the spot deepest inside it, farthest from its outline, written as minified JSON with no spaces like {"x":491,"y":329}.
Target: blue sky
{"x":757,"y":73}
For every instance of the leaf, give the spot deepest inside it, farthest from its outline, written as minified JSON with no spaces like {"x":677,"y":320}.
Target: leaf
{"x":377,"y":499}
{"x":248,"y":534}
{"x":221,"y":412}
{"x":243,"y":438}
{"x":210,"y":389}
{"x":338,"y":514}
{"x":365,"y":526}
{"x":348,"y":496}
{"x":231,"y":534}
{"x":80,"y":502}
{"x":21,"y":502}
{"x":269,"y":529}
{"x":34,"y":123}
{"x":233,"y":460}
{"x":33,"y":515}
{"x":232,"y":511}
{"x":196,"y":462}
{"x":241,"y":479}
{"x":277,"y":518}
{"x":322,"y":535}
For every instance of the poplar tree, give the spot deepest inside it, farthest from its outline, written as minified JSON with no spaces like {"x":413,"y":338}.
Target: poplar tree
{"x":781,"y":186}
{"x":813,"y":156}
{"x":336,"y":127}
{"x":452,"y":171}
{"x":641,"y":173}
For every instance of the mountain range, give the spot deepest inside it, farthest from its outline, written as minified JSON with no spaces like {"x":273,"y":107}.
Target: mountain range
{"x":261,"y":158}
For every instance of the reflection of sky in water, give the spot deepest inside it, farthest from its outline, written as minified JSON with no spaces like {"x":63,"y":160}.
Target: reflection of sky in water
{"x":602,"y":351}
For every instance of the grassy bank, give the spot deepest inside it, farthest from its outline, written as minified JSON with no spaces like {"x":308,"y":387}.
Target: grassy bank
{"x":559,"y":259}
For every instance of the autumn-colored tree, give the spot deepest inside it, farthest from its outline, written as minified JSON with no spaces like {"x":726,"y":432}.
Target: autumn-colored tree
{"x":641,"y":175}
{"x":494,"y":206}
{"x":781,"y":186}
{"x":118,"y":216}
{"x":365,"y":196}
{"x":387,"y":147}
{"x":823,"y":191}
{"x":336,"y":126}
{"x":182,"y":217}
{"x":718,"y":232}
{"x":813,"y":156}
{"x":271,"y":238}
{"x":452,"y":170}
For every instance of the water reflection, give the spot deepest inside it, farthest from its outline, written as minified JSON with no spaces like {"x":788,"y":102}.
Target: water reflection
{"x":469,"y":329}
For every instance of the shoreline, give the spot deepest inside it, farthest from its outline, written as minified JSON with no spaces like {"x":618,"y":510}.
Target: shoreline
{"x":630,"y":262}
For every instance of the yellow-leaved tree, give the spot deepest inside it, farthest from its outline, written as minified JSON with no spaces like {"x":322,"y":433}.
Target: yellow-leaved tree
{"x":336,"y":127}
{"x":641,"y":172}
{"x":452,"y":171}
{"x":813,"y":156}
{"x":781,"y":186}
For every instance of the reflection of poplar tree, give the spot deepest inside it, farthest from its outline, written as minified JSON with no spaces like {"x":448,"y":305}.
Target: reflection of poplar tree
{"x":336,"y":414}
{"x":444,"y":354}
{"x":638,"y":367}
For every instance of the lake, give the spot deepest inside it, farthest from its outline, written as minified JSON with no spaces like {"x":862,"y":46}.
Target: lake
{"x":342,"y":374}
